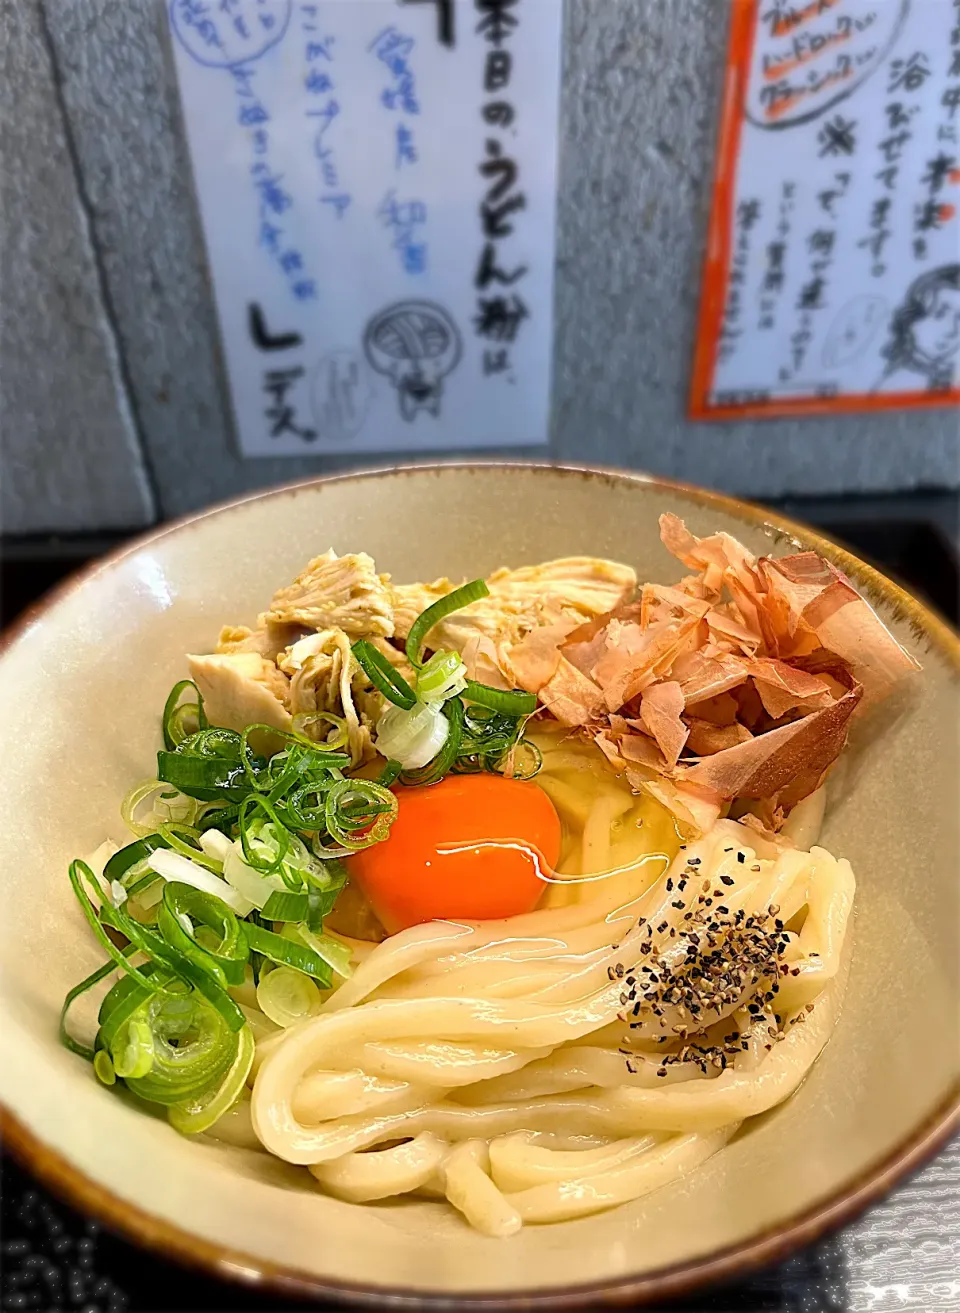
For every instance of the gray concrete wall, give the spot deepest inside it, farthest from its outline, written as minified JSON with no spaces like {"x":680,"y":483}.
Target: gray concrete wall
{"x":71,"y":454}
{"x":641,"y":95}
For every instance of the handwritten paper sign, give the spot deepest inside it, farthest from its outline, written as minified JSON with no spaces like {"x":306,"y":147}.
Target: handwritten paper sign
{"x":377,"y":183}
{"x":832,"y":280}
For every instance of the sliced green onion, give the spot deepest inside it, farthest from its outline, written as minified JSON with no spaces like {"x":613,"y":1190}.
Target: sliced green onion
{"x":287,"y":996}
{"x":160,"y":951}
{"x":228,"y":958}
{"x":132,"y":1050}
{"x":78,"y":872}
{"x":523,"y":761}
{"x":288,"y":954}
{"x":385,"y":678}
{"x":286,"y":907}
{"x":214,"y":741}
{"x":193,"y":1049}
{"x":322,"y":901}
{"x":103,"y":1066}
{"x":121,"y":864}
{"x":443,"y":676}
{"x":176,"y":715}
{"x":334,"y":951}
{"x":245,"y":818}
{"x":445,"y":758}
{"x":182,"y":809}
{"x":359,"y":813}
{"x":215,"y":844}
{"x":390,"y":773}
{"x":173,"y":866}
{"x":311,"y":906}
{"x":460,"y":597}
{"x":218,"y":818}
{"x":203,"y":777}
{"x":412,"y":737}
{"x":249,"y":884}
{"x":185,"y":840}
{"x":101,"y":973}
{"x":513,"y":703}
{"x":191,"y":1116}
{"x":127,"y":997}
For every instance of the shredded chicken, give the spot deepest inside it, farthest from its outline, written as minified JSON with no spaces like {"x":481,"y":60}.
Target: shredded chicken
{"x":241,"y":689}
{"x":324,"y":676}
{"x":336,"y":592}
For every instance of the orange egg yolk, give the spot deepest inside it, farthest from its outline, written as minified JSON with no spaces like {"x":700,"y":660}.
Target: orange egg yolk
{"x":476,"y":847}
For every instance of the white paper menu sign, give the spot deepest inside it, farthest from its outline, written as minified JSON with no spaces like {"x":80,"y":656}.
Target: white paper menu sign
{"x":377,"y":184}
{"x":832,"y":281}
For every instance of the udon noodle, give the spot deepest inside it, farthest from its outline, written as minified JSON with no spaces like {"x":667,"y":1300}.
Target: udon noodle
{"x":554,"y":1064}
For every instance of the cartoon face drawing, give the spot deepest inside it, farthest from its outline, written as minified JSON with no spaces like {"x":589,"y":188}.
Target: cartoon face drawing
{"x":415,"y":344}
{"x":925,"y":329}
{"x":937,"y":335}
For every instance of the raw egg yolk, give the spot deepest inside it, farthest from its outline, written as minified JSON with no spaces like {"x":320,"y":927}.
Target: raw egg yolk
{"x":473,"y":847}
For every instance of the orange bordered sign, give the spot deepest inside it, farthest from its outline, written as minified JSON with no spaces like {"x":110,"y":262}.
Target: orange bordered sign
{"x":832,"y":272}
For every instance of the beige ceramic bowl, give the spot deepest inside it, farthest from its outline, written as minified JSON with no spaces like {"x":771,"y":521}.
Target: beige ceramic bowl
{"x":81,"y":685}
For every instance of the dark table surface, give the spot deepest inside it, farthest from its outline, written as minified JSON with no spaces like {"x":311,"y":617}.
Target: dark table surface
{"x":904,"y":1255}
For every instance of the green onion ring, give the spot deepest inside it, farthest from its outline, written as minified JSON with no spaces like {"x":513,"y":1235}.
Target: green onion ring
{"x":228,"y":960}
{"x":425,"y":621}
{"x":174,"y":714}
{"x":383,"y":676}
{"x":101,"y":973}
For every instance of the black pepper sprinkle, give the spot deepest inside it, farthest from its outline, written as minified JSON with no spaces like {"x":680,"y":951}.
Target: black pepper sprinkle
{"x":741,"y":857}
{"x":727,"y":879}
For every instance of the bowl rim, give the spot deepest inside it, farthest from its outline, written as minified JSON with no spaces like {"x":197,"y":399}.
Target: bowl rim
{"x":844,"y":1204}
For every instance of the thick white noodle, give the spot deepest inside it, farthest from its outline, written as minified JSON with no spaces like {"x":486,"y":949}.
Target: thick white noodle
{"x":489,"y":1062}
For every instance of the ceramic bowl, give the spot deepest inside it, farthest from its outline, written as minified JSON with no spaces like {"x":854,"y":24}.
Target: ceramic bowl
{"x":82,"y":680}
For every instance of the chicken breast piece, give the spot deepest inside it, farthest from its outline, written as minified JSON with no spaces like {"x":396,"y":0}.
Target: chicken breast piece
{"x":268,"y":641}
{"x":335,"y":592}
{"x":409,"y":600}
{"x":573,"y":589}
{"x":241,"y":689}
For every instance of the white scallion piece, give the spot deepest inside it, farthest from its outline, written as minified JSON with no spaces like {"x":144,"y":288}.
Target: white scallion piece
{"x":250,"y":885}
{"x":172,"y":866}
{"x":216,"y":844}
{"x":412,"y":737}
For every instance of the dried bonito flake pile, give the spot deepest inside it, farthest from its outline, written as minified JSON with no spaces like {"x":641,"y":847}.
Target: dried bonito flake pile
{"x":738,"y":682}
